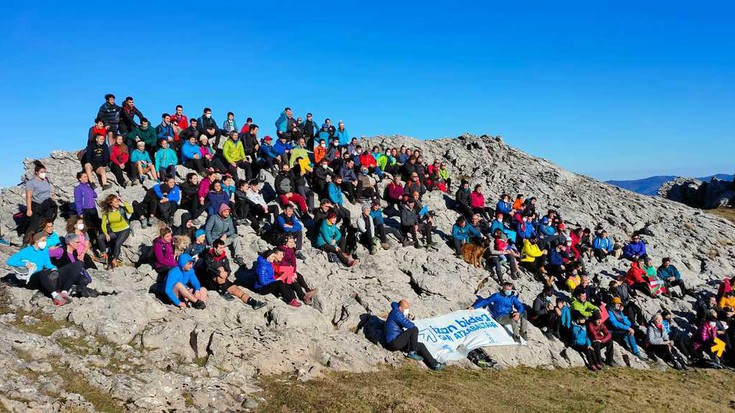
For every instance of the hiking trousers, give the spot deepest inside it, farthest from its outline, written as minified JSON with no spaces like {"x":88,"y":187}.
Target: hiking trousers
{"x":409,"y":341}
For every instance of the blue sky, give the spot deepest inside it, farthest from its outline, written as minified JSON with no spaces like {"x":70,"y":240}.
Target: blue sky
{"x":610,"y":89}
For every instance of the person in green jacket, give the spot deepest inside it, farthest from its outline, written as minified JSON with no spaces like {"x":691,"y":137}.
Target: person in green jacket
{"x":330,"y":239}
{"x":146,"y":134}
{"x":581,"y":305}
{"x":298,"y":151}
{"x":234,"y":153}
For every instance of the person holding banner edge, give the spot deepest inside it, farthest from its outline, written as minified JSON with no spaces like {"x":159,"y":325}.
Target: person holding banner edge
{"x":402,"y":335}
{"x":506,"y":308}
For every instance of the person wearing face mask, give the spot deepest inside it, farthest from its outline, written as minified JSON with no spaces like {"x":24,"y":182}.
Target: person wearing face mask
{"x":334,"y":151}
{"x":208,"y":126}
{"x":506,"y":309}
{"x":39,"y":200}
{"x":32,"y":265}
{"x":659,"y":343}
{"x":320,"y":178}
{"x":320,"y":151}
{"x":401,"y":334}
{"x":462,"y":199}
{"x":83,"y":250}
{"x":367,"y":184}
{"x":544,"y":315}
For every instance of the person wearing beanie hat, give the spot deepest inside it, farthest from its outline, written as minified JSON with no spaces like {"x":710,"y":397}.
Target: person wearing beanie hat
{"x":221,"y":226}
{"x":601,"y":338}
{"x":198,"y":246}
{"x":622,"y":328}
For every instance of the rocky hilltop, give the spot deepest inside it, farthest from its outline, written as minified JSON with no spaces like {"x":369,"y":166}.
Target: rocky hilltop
{"x":132,"y":351}
{"x":696,"y":193}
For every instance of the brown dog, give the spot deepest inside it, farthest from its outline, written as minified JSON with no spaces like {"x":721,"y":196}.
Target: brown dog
{"x":473,"y":253}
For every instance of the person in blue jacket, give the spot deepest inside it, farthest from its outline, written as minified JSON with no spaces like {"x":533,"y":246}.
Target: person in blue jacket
{"x":334,"y":191}
{"x":671,"y":276}
{"x":525,"y":229}
{"x":191,"y":156}
{"x":341,"y":133}
{"x":401,"y":334}
{"x":463,"y":233}
{"x":282,"y":148}
{"x":622,"y":328}
{"x":602,"y":246}
{"x":506,"y":308}
{"x":268,"y":155}
{"x":635,"y":250}
{"x":581,"y":341}
{"x":183,"y":284}
{"x":267,"y":281}
{"x":287,"y":223}
{"x":166,"y":161}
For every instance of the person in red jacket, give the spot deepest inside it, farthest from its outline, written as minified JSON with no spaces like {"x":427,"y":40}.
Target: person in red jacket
{"x":99,"y":128}
{"x":367,"y":159}
{"x":636,"y":278}
{"x":179,"y":122}
{"x":601,"y":338}
{"x":477,"y":203}
{"x":119,"y":157}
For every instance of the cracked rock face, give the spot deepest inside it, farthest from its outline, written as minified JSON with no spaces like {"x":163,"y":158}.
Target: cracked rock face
{"x":147,"y":356}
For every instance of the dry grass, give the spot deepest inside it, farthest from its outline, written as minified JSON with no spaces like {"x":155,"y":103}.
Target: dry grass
{"x":727,"y":213}
{"x":410,"y":389}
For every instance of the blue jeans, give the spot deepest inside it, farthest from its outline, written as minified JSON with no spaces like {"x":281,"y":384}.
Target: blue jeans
{"x":628,"y":339}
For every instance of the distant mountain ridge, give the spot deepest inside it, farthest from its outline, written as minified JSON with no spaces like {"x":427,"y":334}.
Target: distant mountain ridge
{"x":649,"y":186}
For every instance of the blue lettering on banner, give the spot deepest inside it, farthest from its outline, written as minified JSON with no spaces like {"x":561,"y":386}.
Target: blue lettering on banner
{"x":445,"y":330}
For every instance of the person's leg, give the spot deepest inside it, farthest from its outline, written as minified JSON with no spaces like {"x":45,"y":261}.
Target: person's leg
{"x":201,"y":295}
{"x":69,"y":275}
{"x":182,"y":292}
{"x":299,"y":236}
{"x":596,"y":349}
{"x":102,"y":173}
{"x":608,"y":352}
{"x":402,"y":342}
{"x":296,"y":290}
{"x":119,"y":241}
{"x":117,"y":172}
{"x":457,"y":246}
{"x":42,"y":281}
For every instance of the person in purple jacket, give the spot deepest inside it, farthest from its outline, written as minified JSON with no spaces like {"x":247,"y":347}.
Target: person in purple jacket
{"x":163,"y":252}
{"x":85,"y":204}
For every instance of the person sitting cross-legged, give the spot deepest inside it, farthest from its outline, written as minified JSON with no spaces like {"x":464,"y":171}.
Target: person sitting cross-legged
{"x":402,"y":335}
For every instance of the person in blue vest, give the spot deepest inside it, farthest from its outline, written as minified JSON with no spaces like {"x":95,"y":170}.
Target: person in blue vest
{"x":182,"y":285}
{"x":401,"y":334}
{"x":506,"y":308}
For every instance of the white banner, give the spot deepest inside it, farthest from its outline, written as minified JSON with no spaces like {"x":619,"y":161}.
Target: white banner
{"x":452,"y":336}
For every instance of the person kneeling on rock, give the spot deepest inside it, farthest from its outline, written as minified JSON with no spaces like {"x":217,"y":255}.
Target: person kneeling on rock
{"x":177,"y":282}
{"x":402,"y":335}
{"x":218,"y":270}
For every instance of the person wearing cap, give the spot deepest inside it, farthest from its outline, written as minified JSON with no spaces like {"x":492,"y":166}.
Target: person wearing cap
{"x":234,"y":153}
{"x":286,"y":189}
{"x":506,"y":308}
{"x":330,"y":239}
{"x":671,"y":276}
{"x":142,"y":166}
{"x":622,"y":328}
{"x":198,"y":246}
{"x":221,"y":226}
{"x":601,"y":338}
{"x":544,"y":315}
{"x":268,"y":155}
{"x":581,"y":305}
{"x":216,"y":269}
{"x":178,"y":282}
{"x":283,"y":148}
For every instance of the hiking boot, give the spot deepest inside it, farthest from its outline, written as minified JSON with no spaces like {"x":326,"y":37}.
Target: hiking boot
{"x":516,"y":275}
{"x":372,"y":251}
{"x":385,"y":245}
{"x":486,"y":364}
{"x":239,"y":260}
{"x":308,"y":296}
{"x":417,"y":245}
{"x":406,"y":242}
{"x":87,"y":292}
{"x":300,"y":256}
{"x":642,"y":356}
{"x":256,"y":305}
{"x":439,"y":367}
{"x":65,"y":295}
{"x":106,"y":186}
{"x":227,"y":296}
{"x":148,"y":222}
{"x":295,"y":303}
{"x":414,"y":356}
{"x":134,"y":182}
{"x":200,"y":305}
{"x":59,"y":300}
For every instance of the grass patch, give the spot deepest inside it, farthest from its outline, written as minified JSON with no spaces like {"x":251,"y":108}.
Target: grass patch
{"x":411,"y":389}
{"x":75,"y":383}
{"x":727,"y":213}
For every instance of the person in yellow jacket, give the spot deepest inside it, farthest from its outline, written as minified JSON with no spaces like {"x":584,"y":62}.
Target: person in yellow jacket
{"x":533,"y":258}
{"x":581,"y":305}
{"x":234,"y":153}
{"x":115,"y":228}
{"x":298,"y":152}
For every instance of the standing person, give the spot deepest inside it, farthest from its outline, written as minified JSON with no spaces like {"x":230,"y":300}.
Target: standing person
{"x":39,"y":200}
{"x":127,"y":117}
{"x":401,"y":334}
{"x":96,"y":159}
{"x":115,"y":228}
{"x":85,"y":204}
{"x":119,"y":157}
{"x":109,"y":113}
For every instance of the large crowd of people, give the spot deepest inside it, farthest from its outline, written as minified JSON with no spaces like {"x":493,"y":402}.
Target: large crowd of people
{"x":316,"y":169}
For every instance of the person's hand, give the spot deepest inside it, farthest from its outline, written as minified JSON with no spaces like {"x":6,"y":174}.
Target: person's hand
{"x":631,"y":331}
{"x":182,"y":305}
{"x":107,"y":127}
{"x":589,"y":348}
{"x":289,"y":194}
{"x":223,"y":237}
{"x":29,"y":212}
{"x":197,"y":156}
{"x":544,"y":252}
{"x":107,"y":237}
{"x":515,"y":316}
{"x":233,"y":164}
{"x":29,"y":265}
{"x":163,"y":200}
{"x":563,"y":268}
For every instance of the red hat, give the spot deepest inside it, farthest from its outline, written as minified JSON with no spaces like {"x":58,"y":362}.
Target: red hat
{"x":267,"y":138}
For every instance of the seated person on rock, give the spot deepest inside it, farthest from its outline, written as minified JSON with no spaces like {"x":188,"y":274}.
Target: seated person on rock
{"x":659,"y":344}
{"x":330,"y":239}
{"x":670,"y":275}
{"x":216,"y":267}
{"x":635,"y":249}
{"x":581,"y":342}
{"x":601,"y":338}
{"x":402,"y":335}
{"x":166,"y":161}
{"x":221,"y":226}
{"x":271,"y":280}
{"x":305,"y":293}
{"x":506,"y":309}
{"x":581,"y":305}
{"x":502,"y":251}
{"x":182,"y":285}
{"x":163,"y":252}
{"x":381,"y":227}
{"x":602,"y":246}
{"x":544,"y":314}
{"x":623,"y":328}
{"x":287,"y":223}
{"x":462,"y":234}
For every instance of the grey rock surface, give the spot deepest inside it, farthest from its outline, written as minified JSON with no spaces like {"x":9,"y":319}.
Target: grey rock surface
{"x":149,"y":356}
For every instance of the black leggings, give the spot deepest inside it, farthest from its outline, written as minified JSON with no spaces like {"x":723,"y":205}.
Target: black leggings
{"x":592,"y":356}
{"x":117,"y":239}
{"x":118,"y":172}
{"x":62,"y":279}
{"x":46,"y":209}
{"x":409,"y":341}
{"x":287,"y":292}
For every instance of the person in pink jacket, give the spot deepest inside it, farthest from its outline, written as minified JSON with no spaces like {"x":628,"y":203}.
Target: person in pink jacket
{"x":477,"y":203}
{"x":163,"y":252}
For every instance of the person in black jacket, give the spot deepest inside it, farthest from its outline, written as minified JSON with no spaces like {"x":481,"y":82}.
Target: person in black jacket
{"x":309,"y":128}
{"x":97,"y":158}
{"x":109,"y":113}
{"x":190,"y":196}
{"x":462,"y":198}
{"x":410,"y":225}
{"x":216,"y":270}
{"x":208,"y":126}
{"x":250,"y":142}
{"x":127,"y":116}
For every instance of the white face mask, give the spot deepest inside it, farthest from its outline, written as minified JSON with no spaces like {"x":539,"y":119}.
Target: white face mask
{"x":42,"y":175}
{"x":207,"y":115}
{"x":713,"y":323}
{"x":325,"y":166}
{"x":405,"y":312}
{"x":42,"y":245}
{"x":80,"y":226}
